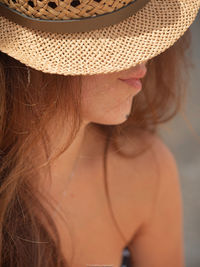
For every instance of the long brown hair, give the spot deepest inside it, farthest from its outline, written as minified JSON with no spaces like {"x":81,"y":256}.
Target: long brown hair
{"x":25,"y":110}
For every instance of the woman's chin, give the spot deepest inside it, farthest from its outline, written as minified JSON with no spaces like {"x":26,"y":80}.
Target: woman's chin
{"x":115,"y":119}
{"x":114,"y":115}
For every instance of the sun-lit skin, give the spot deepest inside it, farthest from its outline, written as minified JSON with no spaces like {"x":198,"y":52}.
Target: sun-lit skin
{"x":105,"y":100}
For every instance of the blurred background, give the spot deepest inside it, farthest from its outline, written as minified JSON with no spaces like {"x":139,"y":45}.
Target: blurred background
{"x":182,"y":135}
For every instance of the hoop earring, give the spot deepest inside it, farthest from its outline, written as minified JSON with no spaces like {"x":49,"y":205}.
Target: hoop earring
{"x":29,"y":75}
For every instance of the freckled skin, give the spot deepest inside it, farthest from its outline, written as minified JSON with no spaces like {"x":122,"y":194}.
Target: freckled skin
{"x":106,"y":99}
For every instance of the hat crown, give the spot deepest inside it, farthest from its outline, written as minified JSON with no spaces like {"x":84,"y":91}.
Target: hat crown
{"x":65,"y":9}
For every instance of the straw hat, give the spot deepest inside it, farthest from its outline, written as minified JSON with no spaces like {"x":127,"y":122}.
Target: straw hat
{"x":91,"y":36}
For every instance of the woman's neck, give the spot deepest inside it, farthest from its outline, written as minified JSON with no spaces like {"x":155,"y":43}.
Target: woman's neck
{"x":85,"y":150}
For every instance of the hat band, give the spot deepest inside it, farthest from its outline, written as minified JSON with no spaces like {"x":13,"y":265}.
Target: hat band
{"x":73,"y":25}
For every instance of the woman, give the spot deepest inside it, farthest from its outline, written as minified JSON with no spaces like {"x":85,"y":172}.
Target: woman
{"x":83,"y":172}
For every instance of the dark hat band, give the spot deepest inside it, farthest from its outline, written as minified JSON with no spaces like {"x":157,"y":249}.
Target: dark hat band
{"x":73,"y":25}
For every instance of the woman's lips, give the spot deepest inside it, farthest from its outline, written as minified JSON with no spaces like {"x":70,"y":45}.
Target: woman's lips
{"x":136,"y":83}
{"x":133,"y":78}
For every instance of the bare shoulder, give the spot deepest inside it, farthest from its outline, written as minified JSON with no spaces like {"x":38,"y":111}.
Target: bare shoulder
{"x":134,"y":180}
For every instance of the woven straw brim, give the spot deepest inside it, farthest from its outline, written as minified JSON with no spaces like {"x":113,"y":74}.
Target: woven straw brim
{"x":138,"y":38}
